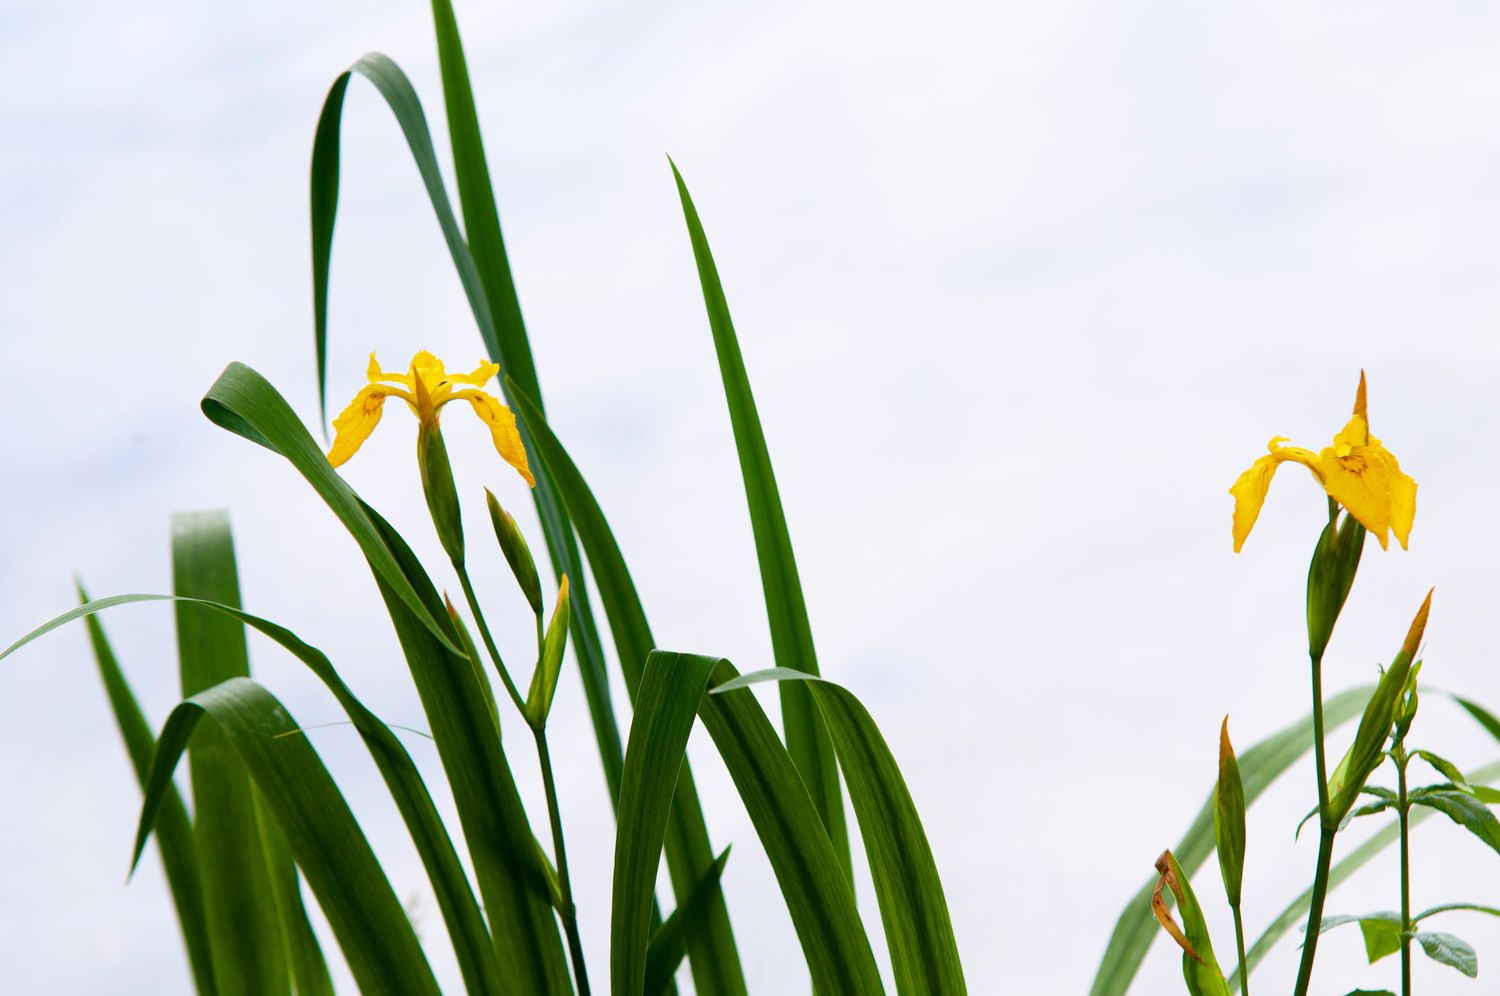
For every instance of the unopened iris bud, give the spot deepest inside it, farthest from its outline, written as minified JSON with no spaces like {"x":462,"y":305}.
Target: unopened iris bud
{"x":549,"y":661}
{"x":517,"y":553}
{"x":1329,"y":578}
{"x":1229,"y":819}
{"x":437,"y":485}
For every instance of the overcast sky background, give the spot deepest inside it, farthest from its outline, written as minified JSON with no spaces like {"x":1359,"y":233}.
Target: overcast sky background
{"x":1021,"y":289}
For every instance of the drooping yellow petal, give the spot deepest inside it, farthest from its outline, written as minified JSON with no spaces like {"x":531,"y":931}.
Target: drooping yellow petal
{"x":1403,"y":502}
{"x":1251,"y":487}
{"x":355,"y":423}
{"x":1357,"y":471}
{"x":502,"y":423}
{"x":1249,"y":492}
{"x":480,"y":377}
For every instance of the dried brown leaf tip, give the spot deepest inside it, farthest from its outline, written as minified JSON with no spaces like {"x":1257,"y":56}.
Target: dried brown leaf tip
{"x":1418,"y":626}
{"x":1159,"y":905}
{"x":1225,"y":750}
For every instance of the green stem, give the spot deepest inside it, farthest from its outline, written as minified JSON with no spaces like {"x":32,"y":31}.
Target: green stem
{"x":484,"y":634}
{"x":1325,"y":840}
{"x":1403,"y":808}
{"x":1315,"y":911}
{"x":1239,"y":943}
{"x":567,"y":912}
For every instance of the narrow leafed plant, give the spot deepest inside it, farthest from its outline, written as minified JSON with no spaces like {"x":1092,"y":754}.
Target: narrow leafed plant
{"x":1367,"y":493}
{"x":267,"y":817}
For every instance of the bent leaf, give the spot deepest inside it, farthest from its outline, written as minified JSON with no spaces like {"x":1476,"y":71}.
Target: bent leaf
{"x":244,"y":924}
{"x":1200,"y":970}
{"x":913,"y":909}
{"x":246,"y":404}
{"x":665,"y":706}
{"x":399,"y":95}
{"x":370,"y":924}
{"x":456,"y":900}
{"x":174,"y":831}
{"x":813,"y":883}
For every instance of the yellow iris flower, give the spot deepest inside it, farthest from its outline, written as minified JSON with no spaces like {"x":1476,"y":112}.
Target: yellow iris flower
{"x":426,"y":388}
{"x":1357,"y":471}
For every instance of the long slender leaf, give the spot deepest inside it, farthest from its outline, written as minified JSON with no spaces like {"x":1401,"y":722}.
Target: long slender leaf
{"x":666,"y":705}
{"x":305,"y":959}
{"x":791,"y":633}
{"x":245,"y":403}
{"x":372,"y":928}
{"x":813,"y":882}
{"x":506,"y":342}
{"x":244,"y":923}
{"x":501,"y":843}
{"x":712,"y":954}
{"x":174,"y":831}
{"x":669,"y":944}
{"x":924,"y":953}
{"x":455,"y":899}
{"x":1136,"y":929}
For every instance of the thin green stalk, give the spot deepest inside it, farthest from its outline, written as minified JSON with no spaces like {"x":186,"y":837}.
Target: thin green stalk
{"x":568,"y":912}
{"x":1325,"y":839}
{"x":1239,"y":943}
{"x":484,"y":634}
{"x":1403,"y":807}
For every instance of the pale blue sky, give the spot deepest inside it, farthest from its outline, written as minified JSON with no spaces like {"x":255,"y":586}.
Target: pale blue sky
{"x":1021,"y":289}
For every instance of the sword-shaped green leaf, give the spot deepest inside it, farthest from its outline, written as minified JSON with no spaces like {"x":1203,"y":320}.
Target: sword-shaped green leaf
{"x":174,"y":831}
{"x":791,"y":633}
{"x":371,"y":927}
{"x":250,"y":958}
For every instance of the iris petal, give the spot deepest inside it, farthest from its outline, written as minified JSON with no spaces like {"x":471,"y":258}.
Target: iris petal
{"x":502,"y":423}
{"x":356,"y":422}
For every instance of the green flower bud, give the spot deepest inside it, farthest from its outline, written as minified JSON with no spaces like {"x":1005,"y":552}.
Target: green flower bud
{"x":437,"y":485}
{"x":517,"y":553}
{"x":1329,"y":578}
{"x":549,"y":662}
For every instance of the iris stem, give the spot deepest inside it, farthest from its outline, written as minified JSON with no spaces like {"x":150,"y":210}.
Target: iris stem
{"x":1403,"y":807}
{"x":1239,"y":943}
{"x":567,"y":911}
{"x":1325,"y":839}
{"x":484,"y":634}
